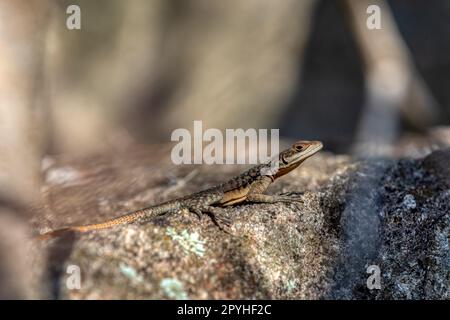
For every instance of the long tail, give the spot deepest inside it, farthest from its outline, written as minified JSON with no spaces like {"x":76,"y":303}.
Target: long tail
{"x":125,"y":219}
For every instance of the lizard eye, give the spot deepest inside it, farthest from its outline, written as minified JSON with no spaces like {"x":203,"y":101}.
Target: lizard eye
{"x":298,"y":148}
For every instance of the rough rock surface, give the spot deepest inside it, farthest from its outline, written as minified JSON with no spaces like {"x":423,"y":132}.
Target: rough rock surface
{"x":390,"y":214}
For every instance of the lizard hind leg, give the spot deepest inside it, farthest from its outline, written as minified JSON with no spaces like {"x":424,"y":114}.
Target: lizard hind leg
{"x":216,"y":214}
{"x":219,"y":218}
{"x":198,"y":212}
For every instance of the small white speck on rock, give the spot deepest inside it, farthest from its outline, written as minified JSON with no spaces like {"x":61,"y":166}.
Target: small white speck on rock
{"x":409,"y":201}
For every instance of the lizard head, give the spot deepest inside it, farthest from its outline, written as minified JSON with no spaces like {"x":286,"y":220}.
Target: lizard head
{"x":291,"y":158}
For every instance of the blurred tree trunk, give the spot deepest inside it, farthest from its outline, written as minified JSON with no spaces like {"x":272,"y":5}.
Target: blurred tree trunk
{"x":22,"y":134}
{"x":394,"y":89}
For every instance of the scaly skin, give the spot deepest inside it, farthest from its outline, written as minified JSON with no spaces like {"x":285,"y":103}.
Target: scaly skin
{"x":247,"y":187}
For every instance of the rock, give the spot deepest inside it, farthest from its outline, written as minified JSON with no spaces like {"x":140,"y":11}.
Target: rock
{"x":414,"y":255}
{"x":356,"y":217}
{"x":438,"y":163}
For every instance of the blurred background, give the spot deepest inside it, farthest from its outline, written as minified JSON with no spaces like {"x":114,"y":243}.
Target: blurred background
{"x":138,"y":69}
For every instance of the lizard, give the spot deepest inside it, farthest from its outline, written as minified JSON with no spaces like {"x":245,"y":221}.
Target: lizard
{"x":248,"y":187}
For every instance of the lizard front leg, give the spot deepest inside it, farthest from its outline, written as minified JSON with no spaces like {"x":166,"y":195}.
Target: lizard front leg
{"x":257,"y":189}
{"x":265,"y":198}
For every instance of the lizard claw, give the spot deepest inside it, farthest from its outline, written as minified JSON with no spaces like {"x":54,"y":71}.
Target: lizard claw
{"x":291,"y":194}
{"x":296,"y":201}
{"x":288,"y":199}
